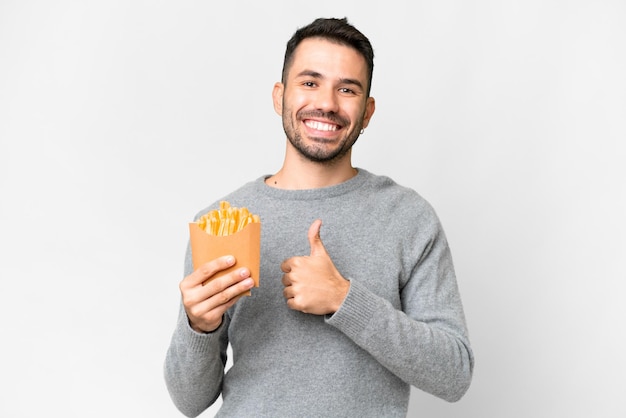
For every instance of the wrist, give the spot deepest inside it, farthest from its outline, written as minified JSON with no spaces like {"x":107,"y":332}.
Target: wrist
{"x":343,"y":290}
{"x":200,"y":330}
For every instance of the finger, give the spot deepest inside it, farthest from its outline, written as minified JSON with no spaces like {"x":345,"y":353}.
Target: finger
{"x":286,"y":280}
{"x":288,"y":292}
{"x":285,"y":266}
{"x":208,"y":270}
{"x":200,"y":294}
{"x":226,"y":281}
{"x":317,"y":247}
{"x":230,"y":295}
{"x":294,"y":305}
{"x":206,"y":316}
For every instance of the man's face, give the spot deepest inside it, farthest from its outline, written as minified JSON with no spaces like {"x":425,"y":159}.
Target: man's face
{"x":323,"y":102}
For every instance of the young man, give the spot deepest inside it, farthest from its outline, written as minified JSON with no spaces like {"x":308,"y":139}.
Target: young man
{"x":345,"y":319}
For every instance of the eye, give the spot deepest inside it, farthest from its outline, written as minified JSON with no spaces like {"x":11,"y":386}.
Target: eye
{"x":309,"y":84}
{"x":347,"y":90}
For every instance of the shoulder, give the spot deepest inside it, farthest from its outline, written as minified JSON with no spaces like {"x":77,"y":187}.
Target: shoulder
{"x":397,"y":196}
{"x":405,"y":212}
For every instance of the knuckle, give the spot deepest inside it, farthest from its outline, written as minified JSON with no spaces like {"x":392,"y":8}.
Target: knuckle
{"x":194,"y":311}
{"x":187,"y":299}
{"x":223,"y":282}
{"x":222,"y":298}
{"x":205,"y":270}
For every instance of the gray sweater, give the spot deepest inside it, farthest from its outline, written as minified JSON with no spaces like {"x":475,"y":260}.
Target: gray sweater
{"x":401,"y":324}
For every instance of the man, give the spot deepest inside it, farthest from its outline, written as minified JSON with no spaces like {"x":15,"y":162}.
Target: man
{"x":347,"y":319}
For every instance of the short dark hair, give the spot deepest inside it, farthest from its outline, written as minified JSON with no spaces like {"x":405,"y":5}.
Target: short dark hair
{"x":335,"y":30}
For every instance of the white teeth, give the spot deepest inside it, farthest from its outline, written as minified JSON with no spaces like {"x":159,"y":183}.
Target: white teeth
{"x":320,"y":126}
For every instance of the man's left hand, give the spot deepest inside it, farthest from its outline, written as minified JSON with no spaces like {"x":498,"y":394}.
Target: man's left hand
{"x":312,"y":283}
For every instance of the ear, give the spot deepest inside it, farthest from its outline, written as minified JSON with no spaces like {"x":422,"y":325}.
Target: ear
{"x":370,"y":107}
{"x":277,"y":97}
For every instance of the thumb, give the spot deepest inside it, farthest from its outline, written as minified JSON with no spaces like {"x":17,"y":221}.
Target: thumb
{"x":317,"y":247}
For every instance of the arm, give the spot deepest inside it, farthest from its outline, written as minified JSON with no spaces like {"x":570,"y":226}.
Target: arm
{"x":426,"y":343}
{"x":195,"y":360}
{"x":194,"y":366}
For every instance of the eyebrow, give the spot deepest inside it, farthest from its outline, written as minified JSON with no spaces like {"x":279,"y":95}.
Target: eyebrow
{"x":315,"y":74}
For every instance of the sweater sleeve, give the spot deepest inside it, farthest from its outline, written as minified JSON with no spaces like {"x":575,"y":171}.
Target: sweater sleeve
{"x":194,"y":366}
{"x":425,"y":343}
{"x":194,"y":362}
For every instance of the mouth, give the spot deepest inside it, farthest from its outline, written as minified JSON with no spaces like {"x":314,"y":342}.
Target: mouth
{"x":321,"y":126}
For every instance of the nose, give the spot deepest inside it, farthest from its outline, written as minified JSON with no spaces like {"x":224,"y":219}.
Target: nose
{"x":326,"y":100}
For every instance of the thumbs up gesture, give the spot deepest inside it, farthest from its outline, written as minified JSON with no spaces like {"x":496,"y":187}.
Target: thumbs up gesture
{"x":312,"y":283}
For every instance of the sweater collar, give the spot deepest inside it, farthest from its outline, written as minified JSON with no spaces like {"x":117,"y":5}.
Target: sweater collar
{"x":313,"y":194}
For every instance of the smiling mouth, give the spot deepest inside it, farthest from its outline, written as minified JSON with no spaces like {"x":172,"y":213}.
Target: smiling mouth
{"x":321,"y":126}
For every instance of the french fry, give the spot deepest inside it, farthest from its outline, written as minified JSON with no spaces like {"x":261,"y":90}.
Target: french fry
{"x":226,"y":220}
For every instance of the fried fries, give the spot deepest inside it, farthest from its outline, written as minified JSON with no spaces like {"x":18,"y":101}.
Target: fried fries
{"x":226,"y":220}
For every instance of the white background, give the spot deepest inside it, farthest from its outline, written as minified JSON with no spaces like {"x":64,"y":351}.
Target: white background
{"x":120,"y":119}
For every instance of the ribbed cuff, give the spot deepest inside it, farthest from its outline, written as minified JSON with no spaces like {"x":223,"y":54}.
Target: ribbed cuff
{"x":197,"y":342}
{"x":356,"y":312}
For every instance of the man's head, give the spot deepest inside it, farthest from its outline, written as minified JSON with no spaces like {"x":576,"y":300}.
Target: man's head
{"x":324,"y":94}
{"x":334,"y":30}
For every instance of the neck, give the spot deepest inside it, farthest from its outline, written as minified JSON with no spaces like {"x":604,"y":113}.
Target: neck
{"x":300,"y":173}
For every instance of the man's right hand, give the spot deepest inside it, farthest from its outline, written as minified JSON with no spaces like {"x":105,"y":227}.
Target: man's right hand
{"x":206,"y":298}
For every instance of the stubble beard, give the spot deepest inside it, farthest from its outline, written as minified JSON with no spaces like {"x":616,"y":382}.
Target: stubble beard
{"x":317,"y":151}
